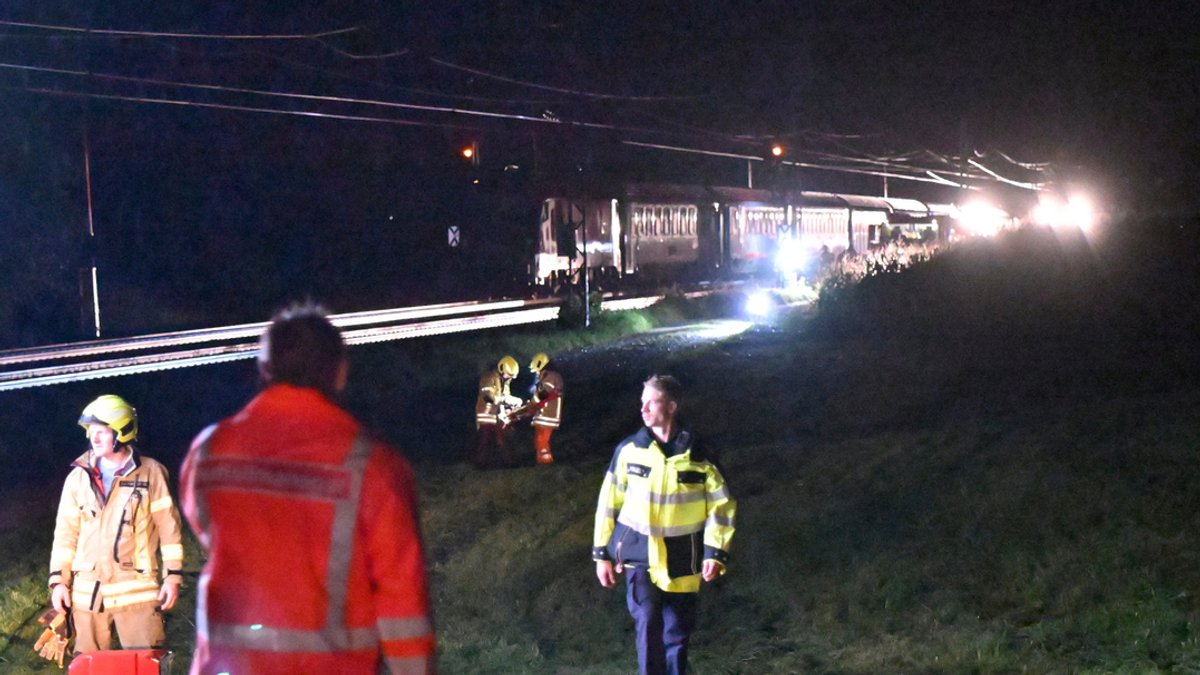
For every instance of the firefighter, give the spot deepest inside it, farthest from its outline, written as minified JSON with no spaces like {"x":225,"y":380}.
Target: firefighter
{"x":494,"y":401}
{"x":665,"y":518}
{"x":315,"y":561}
{"x":115,"y":513}
{"x":547,"y":394}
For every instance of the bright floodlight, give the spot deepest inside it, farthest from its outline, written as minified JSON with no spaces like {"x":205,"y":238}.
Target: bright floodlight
{"x":981,"y":218}
{"x":1077,"y":211}
{"x":1080,"y":212}
{"x":758,"y":304}
{"x":791,"y":256}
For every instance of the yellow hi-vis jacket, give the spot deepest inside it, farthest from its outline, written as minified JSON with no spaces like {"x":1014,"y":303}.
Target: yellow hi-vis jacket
{"x":493,"y":389}
{"x":548,"y":382}
{"x":664,"y":506}
{"x":105,"y":545}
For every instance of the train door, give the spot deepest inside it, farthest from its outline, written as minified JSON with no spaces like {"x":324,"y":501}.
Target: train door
{"x":710,"y":232}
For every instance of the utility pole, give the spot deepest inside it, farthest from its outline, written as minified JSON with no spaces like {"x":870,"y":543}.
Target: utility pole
{"x":91,"y":243}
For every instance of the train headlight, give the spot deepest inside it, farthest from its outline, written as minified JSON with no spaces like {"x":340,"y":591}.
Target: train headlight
{"x":982,"y":219}
{"x":1076,"y":211}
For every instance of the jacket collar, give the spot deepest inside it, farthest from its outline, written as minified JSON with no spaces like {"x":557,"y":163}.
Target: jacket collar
{"x":87,"y":462}
{"x":680,"y":443}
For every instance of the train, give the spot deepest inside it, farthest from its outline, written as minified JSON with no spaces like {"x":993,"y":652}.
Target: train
{"x":651,"y":234}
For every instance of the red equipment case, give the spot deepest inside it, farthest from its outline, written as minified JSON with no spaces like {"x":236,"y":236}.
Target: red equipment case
{"x":122,"y":662}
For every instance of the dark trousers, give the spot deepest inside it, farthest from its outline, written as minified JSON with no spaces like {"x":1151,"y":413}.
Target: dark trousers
{"x":491,"y":436}
{"x":663,"y":623}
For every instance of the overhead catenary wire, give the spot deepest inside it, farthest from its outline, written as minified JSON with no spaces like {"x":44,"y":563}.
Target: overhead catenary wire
{"x":560,"y":90}
{"x":189,"y":36}
{"x":239,"y":108}
{"x":309,"y":97}
{"x":892,"y":164}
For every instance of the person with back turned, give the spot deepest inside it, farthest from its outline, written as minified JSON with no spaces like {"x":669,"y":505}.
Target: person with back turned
{"x":315,"y":558}
{"x":665,"y":517}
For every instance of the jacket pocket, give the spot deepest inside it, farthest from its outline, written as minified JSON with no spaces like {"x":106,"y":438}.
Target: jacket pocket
{"x":684,"y":554}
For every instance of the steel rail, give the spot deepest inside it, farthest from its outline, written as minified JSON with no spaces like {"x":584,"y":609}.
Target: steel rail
{"x":249,"y":330}
{"x":487,"y":315}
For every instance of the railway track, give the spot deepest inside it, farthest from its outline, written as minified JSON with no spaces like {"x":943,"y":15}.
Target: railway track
{"x":94,"y":359}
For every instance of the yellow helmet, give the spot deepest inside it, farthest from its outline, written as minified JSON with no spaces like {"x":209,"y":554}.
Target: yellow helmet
{"x":539,"y":361}
{"x":508,"y":366}
{"x":113,"y":412}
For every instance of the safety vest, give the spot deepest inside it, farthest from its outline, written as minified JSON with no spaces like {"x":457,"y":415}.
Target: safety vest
{"x":315,"y":559}
{"x":106,"y":545}
{"x":493,"y":389}
{"x":665,"y":506}
{"x":550,"y":415}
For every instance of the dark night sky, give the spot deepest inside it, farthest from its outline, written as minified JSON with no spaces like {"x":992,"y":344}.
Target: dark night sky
{"x":1110,"y":86}
{"x":1105,"y":91}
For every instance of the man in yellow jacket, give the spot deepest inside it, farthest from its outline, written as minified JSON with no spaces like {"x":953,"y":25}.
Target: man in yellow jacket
{"x":115,"y":514}
{"x":665,"y":517}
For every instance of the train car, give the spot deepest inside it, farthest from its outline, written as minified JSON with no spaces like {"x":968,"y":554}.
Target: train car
{"x":655,"y":234}
{"x":648,"y":234}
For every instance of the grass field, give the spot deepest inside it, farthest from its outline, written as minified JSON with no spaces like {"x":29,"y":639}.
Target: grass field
{"x":984,"y":464}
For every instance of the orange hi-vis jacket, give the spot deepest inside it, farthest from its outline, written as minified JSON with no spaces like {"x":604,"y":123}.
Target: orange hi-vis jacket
{"x":315,"y":559}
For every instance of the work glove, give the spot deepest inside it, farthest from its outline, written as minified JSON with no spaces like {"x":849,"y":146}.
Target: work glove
{"x":52,"y":645}
{"x":513,"y":401}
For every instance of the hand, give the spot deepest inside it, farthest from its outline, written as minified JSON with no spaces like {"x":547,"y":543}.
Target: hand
{"x":711,"y":570}
{"x":60,"y":597}
{"x":514,"y":401}
{"x":168,"y":594}
{"x":606,"y":574}
{"x":52,"y":645}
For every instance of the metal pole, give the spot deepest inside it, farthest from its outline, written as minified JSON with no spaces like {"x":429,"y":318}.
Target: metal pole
{"x":587,"y":286}
{"x":91,"y":224}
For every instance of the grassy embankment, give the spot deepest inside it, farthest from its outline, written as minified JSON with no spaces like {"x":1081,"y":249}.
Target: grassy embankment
{"x":982,"y":464}
{"x":435,"y":377}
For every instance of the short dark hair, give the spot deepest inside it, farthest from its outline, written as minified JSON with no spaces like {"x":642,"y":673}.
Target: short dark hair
{"x":667,"y":384}
{"x":301,"y":347}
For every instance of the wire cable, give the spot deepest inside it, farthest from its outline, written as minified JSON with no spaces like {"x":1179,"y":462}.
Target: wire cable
{"x":189,"y":36}
{"x":576,"y":92}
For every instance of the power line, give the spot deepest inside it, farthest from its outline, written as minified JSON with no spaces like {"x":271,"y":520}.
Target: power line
{"x":240,"y":108}
{"x":315,"y":97}
{"x":189,"y":36}
{"x":576,"y":92}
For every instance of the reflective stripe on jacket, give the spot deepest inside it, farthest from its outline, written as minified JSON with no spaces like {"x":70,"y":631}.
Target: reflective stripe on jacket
{"x":106,"y":546}
{"x":665,"y":506}
{"x":493,"y":389}
{"x":315,"y":559}
{"x":551,"y":414}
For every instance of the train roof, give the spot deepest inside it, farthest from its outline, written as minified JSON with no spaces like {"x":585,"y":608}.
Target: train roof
{"x":691,"y":193}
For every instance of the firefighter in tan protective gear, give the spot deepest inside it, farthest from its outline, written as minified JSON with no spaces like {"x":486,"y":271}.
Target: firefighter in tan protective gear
{"x":547,"y":395}
{"x":494,"y":401}
{"x":115,"y":514}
